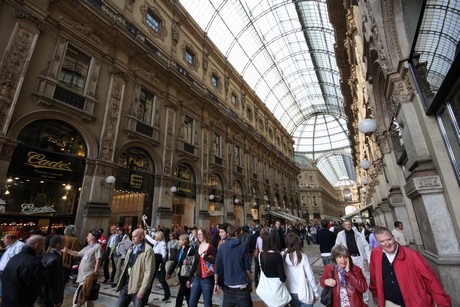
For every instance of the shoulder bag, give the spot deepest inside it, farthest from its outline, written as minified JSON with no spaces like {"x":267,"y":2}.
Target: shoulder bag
{"x":272,"y":291}
{"x":305,"y":291}
{"x":326,"y":294}
{"x":187,"y":268}
{"x":207,"y":268}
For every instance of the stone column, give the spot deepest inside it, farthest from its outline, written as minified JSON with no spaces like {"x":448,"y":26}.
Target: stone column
{"x":441,"y":246}
{"x":16,"y":60}
{"x":96,"y":211}
{"x":202,"y":202}
{"x":396,"y":200}
{"x":162,"y":211}
{"x":388,"y":214}
{"x":7,"y":147}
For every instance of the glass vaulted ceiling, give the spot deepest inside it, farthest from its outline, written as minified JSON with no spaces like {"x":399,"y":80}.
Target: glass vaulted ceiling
{"x":284,"y":50}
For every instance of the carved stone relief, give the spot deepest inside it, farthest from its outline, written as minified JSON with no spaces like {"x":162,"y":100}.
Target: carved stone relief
{"x":14,"y":64}
{"x":169,"y":146}
{"x":108,"y":137}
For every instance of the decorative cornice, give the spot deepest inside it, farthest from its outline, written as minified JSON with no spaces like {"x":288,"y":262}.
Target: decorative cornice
{"x":423,"y":185}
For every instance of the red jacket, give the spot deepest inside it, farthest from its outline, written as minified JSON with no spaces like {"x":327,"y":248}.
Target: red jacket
{"x":356,"y":285}
{"x":417,"y":281}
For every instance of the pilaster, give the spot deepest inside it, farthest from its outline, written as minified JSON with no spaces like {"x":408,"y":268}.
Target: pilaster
{"x":396,"y":201}
{"x":441,"y":247}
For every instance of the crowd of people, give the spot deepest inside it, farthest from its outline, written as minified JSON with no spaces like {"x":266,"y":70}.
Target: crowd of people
{"x":360,"y":264}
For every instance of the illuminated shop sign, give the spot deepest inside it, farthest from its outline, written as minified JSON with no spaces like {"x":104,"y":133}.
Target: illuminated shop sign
{"x":35,"y":163}
{"x":135,"y":181}
{"x":31,"y":209}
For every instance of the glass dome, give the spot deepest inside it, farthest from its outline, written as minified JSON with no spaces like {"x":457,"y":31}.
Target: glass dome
{"x":284,"y":50}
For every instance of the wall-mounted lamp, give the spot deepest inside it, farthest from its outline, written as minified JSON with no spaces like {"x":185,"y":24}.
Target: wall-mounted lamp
{"x":365,"y":164}
{"x":110,"y":180}
{"x":211,"y":197}
{"x":236,"y":200}
{"x":367,"y":126}
{"x":364,"y":181}
{"x":173,"y":189}
{"x":7,"y":191}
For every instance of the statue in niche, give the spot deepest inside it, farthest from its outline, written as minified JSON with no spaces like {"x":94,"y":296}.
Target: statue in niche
{"x":175,"y":31}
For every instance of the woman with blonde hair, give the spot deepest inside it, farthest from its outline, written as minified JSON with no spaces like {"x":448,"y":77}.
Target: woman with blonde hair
{"x":182,"y":257}
{"x":296,"y":263}
{"x":159,"y":248}
{"x":346,"y":279}
{"x":202,"y":283}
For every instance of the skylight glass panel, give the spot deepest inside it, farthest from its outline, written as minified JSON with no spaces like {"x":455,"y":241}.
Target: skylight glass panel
{"x":267,"y":44}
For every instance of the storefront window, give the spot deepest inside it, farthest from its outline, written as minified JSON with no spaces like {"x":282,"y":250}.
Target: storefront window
{"x":44,"y":178}
{"x":134,"y":188}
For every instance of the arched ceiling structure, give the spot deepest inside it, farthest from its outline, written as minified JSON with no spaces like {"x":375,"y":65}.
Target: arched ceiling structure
{"x":284,"y":50}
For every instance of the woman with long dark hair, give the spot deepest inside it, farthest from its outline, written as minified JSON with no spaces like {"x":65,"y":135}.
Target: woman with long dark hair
{"x":295,"y":261}
{"x":346,"y":279}
{"x":202,"y":284}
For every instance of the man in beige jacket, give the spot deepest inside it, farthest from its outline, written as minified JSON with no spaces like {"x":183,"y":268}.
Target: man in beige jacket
{"x":138,"y":272}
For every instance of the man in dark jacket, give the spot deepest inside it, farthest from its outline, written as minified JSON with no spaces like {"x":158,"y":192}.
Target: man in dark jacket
{"x":251,"y":246}
{"x":23,"y":275}
{"x":234,"y":260}
{"x":326,"y":240}
{"x":53,"y":287}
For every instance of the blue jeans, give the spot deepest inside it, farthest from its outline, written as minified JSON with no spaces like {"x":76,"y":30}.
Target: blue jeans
{"x":237,"y":297}
{"x":296,"y":303}
{"x":205,"y":286}
{"x":326,"y":260}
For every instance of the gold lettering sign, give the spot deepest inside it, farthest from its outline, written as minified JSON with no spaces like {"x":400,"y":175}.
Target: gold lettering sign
{"x":136,"y":181}
{"x":55,"y":140}
{"x":38,"y":160}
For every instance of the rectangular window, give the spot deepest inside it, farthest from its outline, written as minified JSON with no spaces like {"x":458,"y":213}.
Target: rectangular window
{"x":253,"y":164}
{"x":217,"y":143}
{"x":214,"y":80}
{"x":146,"y":107}
{"x":234,"y":99}
{"x":153,"y":21}
{"x":266,"y":170}
{"x":188,"y":129}
{"x":74,"y":69}
{"x":189,"y":56}
{"x":238,"y":155}
{"x":448,"y":120}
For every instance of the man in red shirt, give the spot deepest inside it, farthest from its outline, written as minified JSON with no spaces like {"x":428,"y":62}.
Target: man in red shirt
{"x":400,"y":276}
{"x":102,"y":240}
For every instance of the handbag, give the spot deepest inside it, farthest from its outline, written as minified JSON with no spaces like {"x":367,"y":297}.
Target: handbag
{"x":272,"y":291}
{"x":187,"y":268}
{"x":207,"y":268}
{"x":305,"y":292}
{"x":94,"y":295}
{"x":326,"y":294}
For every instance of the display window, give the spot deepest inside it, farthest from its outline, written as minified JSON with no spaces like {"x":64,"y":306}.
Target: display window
{"x":43,"y":182}
{"x":134,"y":188}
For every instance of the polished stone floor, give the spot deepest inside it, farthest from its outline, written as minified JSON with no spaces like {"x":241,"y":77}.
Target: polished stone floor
{"x":108,"y":296}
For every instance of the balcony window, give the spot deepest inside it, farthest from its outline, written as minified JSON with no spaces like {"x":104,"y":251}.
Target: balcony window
{"x":215,"y":80}
{"x":188,"y":128}
{"x":146,"y":108}
{"x":189,"y":56}
{"x":217,"y":145}
{"x":153,"y":21}
{"x":74,"y":70}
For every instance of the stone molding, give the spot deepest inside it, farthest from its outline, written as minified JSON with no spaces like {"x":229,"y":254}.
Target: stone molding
{"x":423,"y":185}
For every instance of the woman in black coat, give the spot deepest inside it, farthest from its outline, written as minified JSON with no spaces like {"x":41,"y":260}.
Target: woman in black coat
{"x":184,"y":256}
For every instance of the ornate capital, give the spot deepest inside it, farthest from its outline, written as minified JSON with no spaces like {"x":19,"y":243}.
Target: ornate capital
{"x":423,"y":185}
